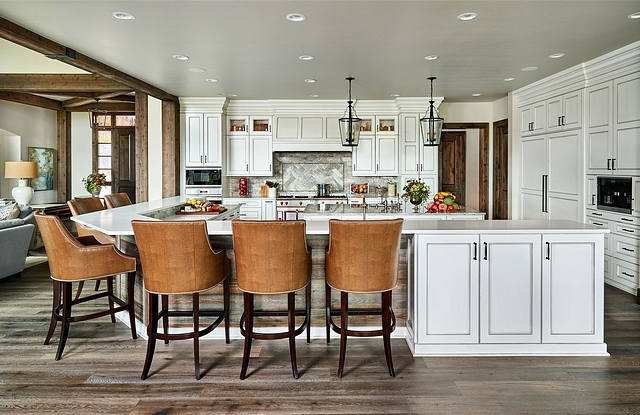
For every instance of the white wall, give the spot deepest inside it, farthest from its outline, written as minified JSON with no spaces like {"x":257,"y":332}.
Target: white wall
{"x":466,"y":112}
{"x":9,"y":151}
{"x":472,"y":193}
{"x":81,"y":153}
{"x":155,"y":149}
{"x":500,"y":109}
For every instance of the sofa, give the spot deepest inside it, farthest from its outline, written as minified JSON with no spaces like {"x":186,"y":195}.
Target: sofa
{"x":17,"y":236}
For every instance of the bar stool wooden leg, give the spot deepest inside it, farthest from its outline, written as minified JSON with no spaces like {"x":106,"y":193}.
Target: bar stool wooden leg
{"x":56,"y":303}
{"x":386,"y":324}
{"x":80,"y":286}
{"x":292,"y":332}
{"x":308,"y":312}
{"x":327,"y":297}
{"x":248,"y":332}
{"x":196,"y":334}
{"x":130,"y":298}
{"x":165,"y":316}
{"x":152,"y":329}
{"x":110,"y":291}
{"x":226,"y":291}
{"x":66,"y":315}
{"x":344,"y":318}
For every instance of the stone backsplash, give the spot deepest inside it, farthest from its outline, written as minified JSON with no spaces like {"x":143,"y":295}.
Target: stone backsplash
{"x":303,"y":171}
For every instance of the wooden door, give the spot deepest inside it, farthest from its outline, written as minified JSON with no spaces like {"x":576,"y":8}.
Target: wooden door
{"x":452,"y":158}
{"x":124,"y":165}
{"x":500,"y":167}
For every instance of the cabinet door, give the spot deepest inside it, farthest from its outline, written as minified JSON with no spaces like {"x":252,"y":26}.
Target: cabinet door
{"x":237,"y":125}
{"x":212,"y":141}
{"x":635,"y":192}
{"x":572,"y":280}
{"x":447,"y":289}
{"x":261,"y":156}
{"x":386,"y":125}
{"x":590,"y":201}
{"x":510,"y":284}
{"x":554,"y":114}
{"x":534,"y":162}
{"x":531,"y":206}
{"x":269,"y":209}
{"x":572,"y":110}
{"x":565,"y":163}
{"x":539,"y":117}
{"x":410,"y":145}
{"x":429,"y":160}
{"x":599,"y":128}
{"x":526,"y":118}
{"x":626,"y":136}
{"x":364,"y":157}
{"x":259,"y":125}
{"x":193,"y":139}
{"x":387,"y":155}
{"x":238,"y":156}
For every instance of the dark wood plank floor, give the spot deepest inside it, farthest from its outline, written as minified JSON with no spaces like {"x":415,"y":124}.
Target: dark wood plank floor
{"x":99,"y":372}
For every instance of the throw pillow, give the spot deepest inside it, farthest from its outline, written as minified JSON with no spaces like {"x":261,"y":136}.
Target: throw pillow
{"x":10,"y":211}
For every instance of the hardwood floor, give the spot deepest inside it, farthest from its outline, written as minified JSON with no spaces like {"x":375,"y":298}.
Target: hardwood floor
{"x":99,"y":372}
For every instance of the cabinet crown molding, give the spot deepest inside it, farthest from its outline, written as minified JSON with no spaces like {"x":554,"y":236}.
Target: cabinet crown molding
{"x":204,"y":104}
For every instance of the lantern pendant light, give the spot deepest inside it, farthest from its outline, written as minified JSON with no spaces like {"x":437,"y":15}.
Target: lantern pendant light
{"x":97,"y":117}
{"x":430,"y":125}
{"x":350,"y":125}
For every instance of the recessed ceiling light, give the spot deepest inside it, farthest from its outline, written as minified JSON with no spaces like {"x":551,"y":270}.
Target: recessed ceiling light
{"x":181,"y":57}
{"x":305,"y":57}
{"x":395,"y":95}
{"x":309,"y":80}
{"x":467,"y":16}
{"x":296,"y":17}
{"x":509,"y":79}
{"x":197,"y":70}
{"x":431,"y":58}
{"x":123,"y":16}
{"x":556,"y":55}
{"x":211,"y":80}
{"x":233,"y":95}
{"x":475,"y":95}
{"x":635,"y":15}
{"x":314,"y":95}
{"x":530,"y":68}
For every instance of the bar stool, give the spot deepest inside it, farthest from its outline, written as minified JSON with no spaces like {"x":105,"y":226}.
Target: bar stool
{"x":272,"y":257}
{"x":376,"y":245}
{"x":73,"y":260}
{"x":116,"y":200}
{"x":176,"y":259}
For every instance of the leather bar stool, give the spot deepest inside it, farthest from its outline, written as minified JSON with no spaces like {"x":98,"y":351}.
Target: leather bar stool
{"x":81,"y":259}
{"x":375,"y":244}
{"x":79,"y":206}
{"x":176,"y":259}
{"x":116,"y":200}
{"x":272,"y":257}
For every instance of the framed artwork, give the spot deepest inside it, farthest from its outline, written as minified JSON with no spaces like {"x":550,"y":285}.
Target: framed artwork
{"x":46,"y":162}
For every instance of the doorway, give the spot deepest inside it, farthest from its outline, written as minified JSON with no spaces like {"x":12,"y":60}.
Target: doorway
{"x":452,"y":159}
{"x":500,"y":169}
{"x":124,"y":164}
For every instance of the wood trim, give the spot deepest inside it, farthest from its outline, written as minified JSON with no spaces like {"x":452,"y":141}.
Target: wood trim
{"x":63,"y":138}
{"x":113,"y":96}
{"x":142,"y":145}
{"x":52,"y":83}
{"x":170,"y":149}
{"x":109,"y":106}
{"x":484,"y":159}
{"x":24,"y":37}
{"x":30,"y":99}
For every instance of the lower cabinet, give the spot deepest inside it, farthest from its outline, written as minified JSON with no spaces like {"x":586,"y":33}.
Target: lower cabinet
{"x":254,"y":208}
{"x":507,"y":293}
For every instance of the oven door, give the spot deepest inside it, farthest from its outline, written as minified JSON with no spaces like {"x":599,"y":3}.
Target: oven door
{"x":290,"y":213}
{"x":203,"y":177}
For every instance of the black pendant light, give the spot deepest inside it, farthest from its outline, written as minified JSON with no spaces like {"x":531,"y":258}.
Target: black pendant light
{"x":350,"y":123}
{"x":97,"y":117}
{"x":430,"y":125}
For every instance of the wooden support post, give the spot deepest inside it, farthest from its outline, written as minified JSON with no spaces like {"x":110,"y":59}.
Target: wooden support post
{"x":142,"y":145}
{"x":170,"y":148}
{"x":63,"y":138}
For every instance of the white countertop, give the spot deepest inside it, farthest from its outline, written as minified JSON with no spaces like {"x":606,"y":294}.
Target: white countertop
{"x":118,"y":222}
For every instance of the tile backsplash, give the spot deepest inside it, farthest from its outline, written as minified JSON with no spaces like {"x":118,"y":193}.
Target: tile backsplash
{"x":302,"y":171}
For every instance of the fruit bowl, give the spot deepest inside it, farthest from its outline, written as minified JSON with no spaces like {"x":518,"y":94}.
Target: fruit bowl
{"x":443,"y":202}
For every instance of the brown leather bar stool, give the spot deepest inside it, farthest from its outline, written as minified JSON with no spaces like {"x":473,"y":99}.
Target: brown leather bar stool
{"x":79,"y":206}
{"x":272,"y":257}
{"x":81,"y":259}
{"x":376,"y":245}
{"x":116,"y":200}
{"x":176,"y":259}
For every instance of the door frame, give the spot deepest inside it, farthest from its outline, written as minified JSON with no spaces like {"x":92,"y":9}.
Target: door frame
{"x":483,"y":167}
{"x":497,"y":127}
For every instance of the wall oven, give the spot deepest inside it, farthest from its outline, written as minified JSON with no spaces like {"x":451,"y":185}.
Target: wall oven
{"x":204,"y":183}
{"x":615,"y":194}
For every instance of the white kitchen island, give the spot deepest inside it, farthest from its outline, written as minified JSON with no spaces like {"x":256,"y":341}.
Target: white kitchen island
{"x":473,"y":287}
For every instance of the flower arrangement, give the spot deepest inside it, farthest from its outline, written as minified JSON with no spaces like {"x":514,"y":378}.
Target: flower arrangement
{"x":94,"y":181}
{"x":416,"y":190}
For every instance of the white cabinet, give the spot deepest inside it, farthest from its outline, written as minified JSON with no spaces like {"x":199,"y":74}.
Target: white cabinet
{"x":377,"y":150}
{"x":415,"y":158}
{"x":254,"y":208}
{"x":307,"y":133}
{"x":269,"y":209}
{"x":203,"y":139}
{"x":613,"y":134}
{"x":564,"y":112}
{"x":635,"y":191}
{"x":571,"y":280}
{"x":533,"y":119}
{"x":591,"y":192}
{"x":249,"y":146}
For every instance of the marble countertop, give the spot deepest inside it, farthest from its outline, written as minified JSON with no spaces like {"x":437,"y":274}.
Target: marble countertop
{"x":344,"y":210}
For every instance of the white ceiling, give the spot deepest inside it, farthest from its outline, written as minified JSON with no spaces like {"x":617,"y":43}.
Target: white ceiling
{"x":252,"y":50}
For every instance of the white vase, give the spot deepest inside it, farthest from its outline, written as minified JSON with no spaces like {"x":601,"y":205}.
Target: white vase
{"x":96,"y":192}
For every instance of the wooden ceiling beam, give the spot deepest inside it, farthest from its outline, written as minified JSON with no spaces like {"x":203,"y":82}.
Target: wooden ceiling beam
{"x":30,"y":99}
{"x":24,"y":37}
{"x":109,"y":106}
{"x":52,"y":83}
{"x":113,"y":96}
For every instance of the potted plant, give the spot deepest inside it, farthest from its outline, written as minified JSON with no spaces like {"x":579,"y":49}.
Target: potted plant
{"x":416,"y":192}
{"x":94,"y":182}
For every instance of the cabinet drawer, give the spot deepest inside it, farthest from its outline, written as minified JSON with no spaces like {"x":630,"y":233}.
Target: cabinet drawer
{"x":250,"y":213}
{"x":626,"y":248}
{"x":627,"y":230}
{"x":604,"y":224}
{"x":248,"y":202}
{"x":600,"y":215}
{"x":625,"y":272}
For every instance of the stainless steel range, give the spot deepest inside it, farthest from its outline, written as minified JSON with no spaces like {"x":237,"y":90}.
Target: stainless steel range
{"x":291,"y":206}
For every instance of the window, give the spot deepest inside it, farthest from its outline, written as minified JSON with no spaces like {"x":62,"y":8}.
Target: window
{"x":105,"y":148}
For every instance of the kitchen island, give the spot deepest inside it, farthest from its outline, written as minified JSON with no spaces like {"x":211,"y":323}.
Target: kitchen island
{"x":465,"y":286}
{"x":345,"y":211}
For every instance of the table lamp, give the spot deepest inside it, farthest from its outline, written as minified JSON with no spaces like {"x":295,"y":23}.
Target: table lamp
{"x":22,"y":170}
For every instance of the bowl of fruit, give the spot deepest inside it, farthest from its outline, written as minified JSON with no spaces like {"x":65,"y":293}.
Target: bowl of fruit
{"x":443,"y":202}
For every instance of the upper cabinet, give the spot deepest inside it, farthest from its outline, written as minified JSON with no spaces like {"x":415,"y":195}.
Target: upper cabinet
{"x":203,"y":139}
{"x":533,"y":119}
{"x":254,"y":125}
{"x":415,"y":158}
{"x":307,"y":133}
{"x":377,"y":150}
{"x":249,"y":146}
{"x":564,"y":112}
{"x":613,"y":127}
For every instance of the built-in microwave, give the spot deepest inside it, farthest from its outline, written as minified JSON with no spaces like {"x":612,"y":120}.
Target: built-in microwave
{"x":615,"y":194}
{"x":203,"y":177}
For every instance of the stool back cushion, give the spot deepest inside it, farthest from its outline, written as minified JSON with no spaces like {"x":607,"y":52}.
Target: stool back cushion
{"x":117,"y":200}
{"x":176,"y":256}
{"x":271,"y":256}
{"x":81,"y":205}
{"x":363,"y":255}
